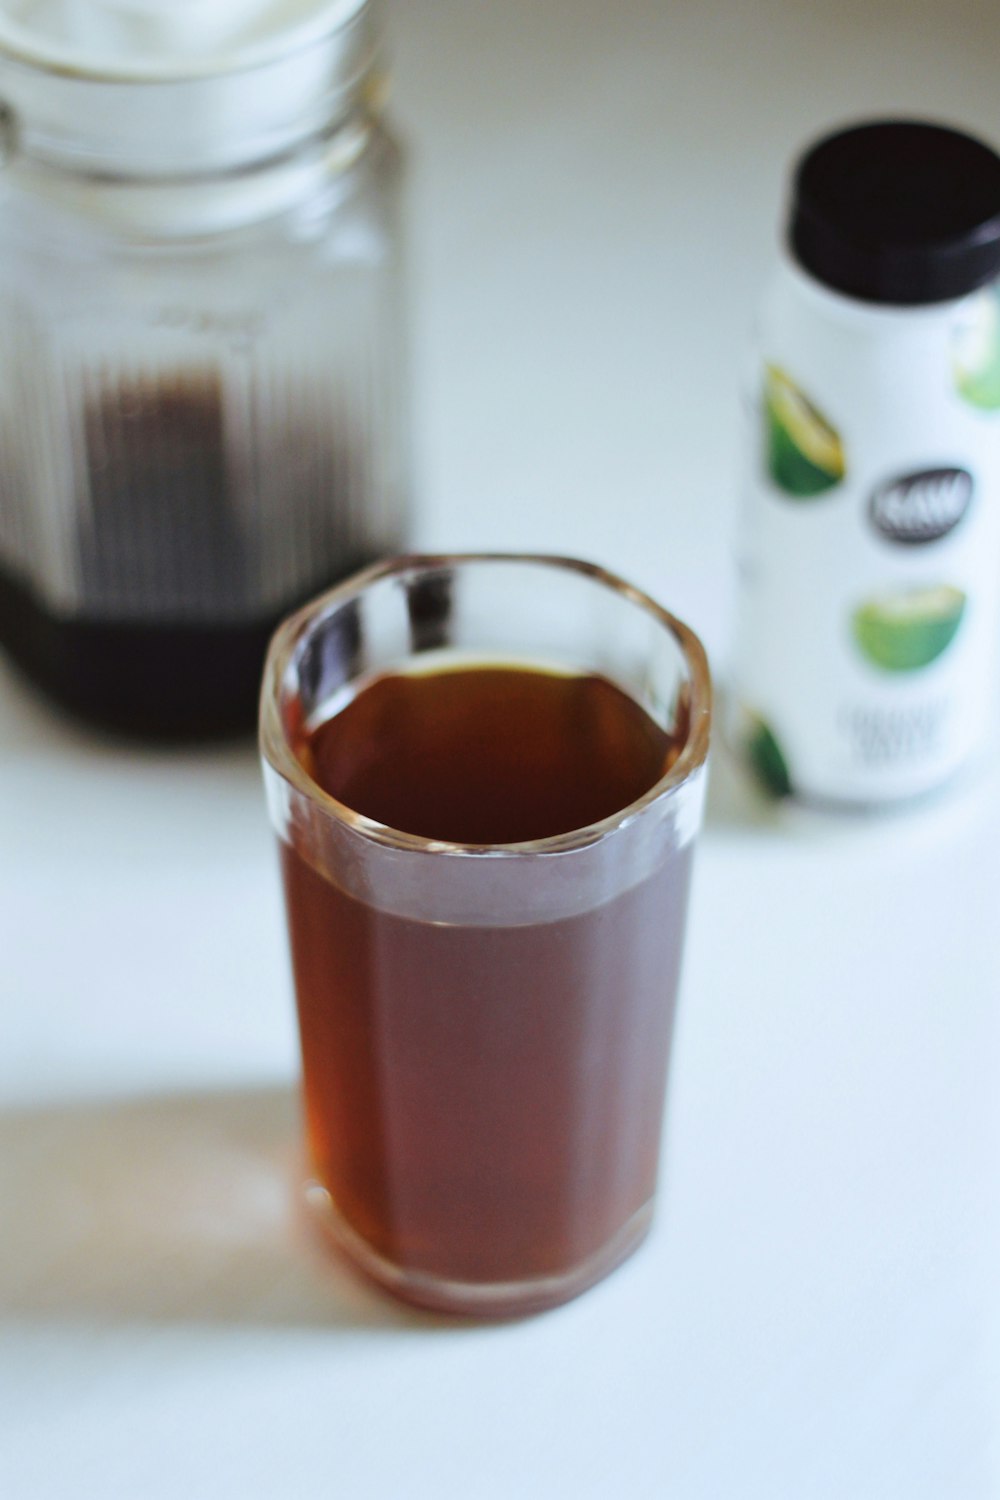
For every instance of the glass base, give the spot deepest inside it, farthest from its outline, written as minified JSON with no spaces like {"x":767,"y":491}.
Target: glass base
{"x":477,"y":1299}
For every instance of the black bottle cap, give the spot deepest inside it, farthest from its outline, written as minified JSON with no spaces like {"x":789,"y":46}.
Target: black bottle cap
{"x":898,"y":211}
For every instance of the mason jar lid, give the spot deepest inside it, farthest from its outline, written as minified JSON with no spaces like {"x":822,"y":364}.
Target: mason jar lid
{"x":180,"y":86}
{"x":898,"y":211}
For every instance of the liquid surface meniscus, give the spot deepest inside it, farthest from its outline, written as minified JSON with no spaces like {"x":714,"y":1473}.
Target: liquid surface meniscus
{"x":488,"y":755}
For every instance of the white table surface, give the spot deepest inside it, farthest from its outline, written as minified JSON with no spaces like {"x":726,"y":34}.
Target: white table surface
{"x":595,"y":194}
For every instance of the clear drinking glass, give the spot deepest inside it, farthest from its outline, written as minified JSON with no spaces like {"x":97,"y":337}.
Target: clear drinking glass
{"x":485,"y":1028}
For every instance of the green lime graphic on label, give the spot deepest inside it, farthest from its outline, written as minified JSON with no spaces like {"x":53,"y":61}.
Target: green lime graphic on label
{"x":805,"y":456}
{"x":766,"y":758}
{"x":976,"y":352}
{"x":902,"y":632}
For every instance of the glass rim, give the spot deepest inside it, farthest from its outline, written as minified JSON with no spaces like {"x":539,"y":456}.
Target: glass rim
{"x":278,"y":754}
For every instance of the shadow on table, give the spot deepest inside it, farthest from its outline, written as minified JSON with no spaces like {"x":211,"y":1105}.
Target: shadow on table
{"x":177,"y":1209}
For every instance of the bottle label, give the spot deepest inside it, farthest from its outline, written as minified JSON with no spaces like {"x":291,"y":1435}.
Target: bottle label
{"x":870,"y":574}
{"x":922,"y":507}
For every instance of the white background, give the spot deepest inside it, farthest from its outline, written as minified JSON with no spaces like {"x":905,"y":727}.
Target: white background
{"x":595,"y":196}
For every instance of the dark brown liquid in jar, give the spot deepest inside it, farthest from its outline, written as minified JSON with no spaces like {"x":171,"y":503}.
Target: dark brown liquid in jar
{"x":169,"y":636}
{"x":484,"y":1101}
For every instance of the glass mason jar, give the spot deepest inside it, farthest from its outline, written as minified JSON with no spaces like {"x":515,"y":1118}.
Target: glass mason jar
{"x":202,"y":361}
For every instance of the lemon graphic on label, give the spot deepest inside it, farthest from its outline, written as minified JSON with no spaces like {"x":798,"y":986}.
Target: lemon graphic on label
{"x":766,"y":758}
{"x":976,"y":352}
{"x":805,"y":456}
{"x":902,"y":632}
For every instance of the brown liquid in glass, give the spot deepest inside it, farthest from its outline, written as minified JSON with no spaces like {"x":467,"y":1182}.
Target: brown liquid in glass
{"x":483,"y":1103}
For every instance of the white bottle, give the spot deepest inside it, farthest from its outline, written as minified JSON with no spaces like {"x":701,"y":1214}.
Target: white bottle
{"x":870,"y":573}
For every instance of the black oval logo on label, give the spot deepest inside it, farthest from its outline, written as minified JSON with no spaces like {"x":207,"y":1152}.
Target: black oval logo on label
{"x":921,"y":507}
